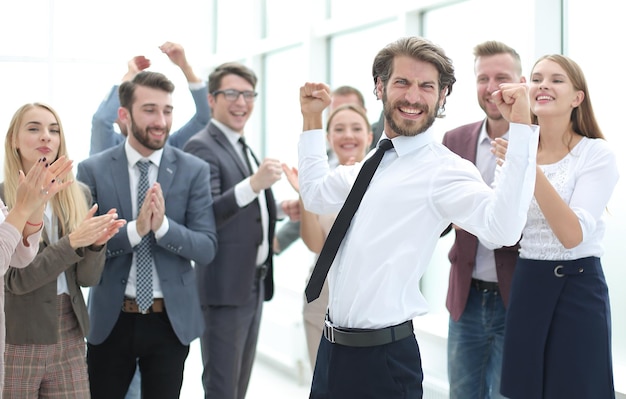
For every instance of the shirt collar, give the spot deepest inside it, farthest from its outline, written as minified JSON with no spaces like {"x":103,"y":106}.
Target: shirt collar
{"x":230,"y":134}
{"x":133,"y":156}
{"x":407,"y":144}
{"x":483,"y":133}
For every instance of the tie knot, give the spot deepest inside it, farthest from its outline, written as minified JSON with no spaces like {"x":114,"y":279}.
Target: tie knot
{"x":385,"y":144}
{"x":143,"y":166}
{"x":242,"y":141}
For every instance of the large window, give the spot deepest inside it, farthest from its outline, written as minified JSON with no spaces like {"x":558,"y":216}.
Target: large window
{"x":69,"y":53}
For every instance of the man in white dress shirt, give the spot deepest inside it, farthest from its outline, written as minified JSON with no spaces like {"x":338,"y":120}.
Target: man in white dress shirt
{"x":420,"y":187}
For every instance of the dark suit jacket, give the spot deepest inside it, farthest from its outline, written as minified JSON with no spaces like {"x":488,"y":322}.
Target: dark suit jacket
{"x":463,"y":141}
{"x":229,"y":278}
{"x":31,"y":307}
{"x":191,"y":236}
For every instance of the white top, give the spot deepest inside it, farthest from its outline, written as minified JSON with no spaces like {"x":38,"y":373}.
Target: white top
{"x":131,"y":228}
{"x":52,"y":230}
{"x":244,"y":194}
{"x":485,"y":268}
{"x":585,"y":179}
{"x":418,"y":190}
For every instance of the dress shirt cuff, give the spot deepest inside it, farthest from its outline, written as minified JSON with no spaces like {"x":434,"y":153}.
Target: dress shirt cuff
{"x":133,"y":237}
{"x":528,"y":138}
{"x":165,"y":226}
{"x":196,"y":85}
{"x":244,"y":194}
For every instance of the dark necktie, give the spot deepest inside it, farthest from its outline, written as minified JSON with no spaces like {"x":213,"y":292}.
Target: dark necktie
{"x":246,"y":150}
{"x":340,"y":227}
{"x":144,"y":248}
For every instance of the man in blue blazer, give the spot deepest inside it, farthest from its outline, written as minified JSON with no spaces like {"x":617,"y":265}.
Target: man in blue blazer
{"x":175,"y":221}
{"x":103,"y":135}
{"x":480,"y":279}
{"x":233,"y":286}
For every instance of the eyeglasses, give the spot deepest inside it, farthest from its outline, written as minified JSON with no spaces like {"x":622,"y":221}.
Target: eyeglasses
{"x":233,"y":95}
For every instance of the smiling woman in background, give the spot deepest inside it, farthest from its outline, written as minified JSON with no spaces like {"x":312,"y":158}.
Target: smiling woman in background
{"x":350,"y":135}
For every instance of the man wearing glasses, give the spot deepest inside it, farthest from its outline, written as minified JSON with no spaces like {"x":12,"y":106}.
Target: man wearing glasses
{"x":233,"y":287}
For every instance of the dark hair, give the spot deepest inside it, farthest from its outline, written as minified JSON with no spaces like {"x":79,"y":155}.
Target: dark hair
{"x":230,"y":68}
{"x":349,"y":90}
{"x":493,"y":47}
{"x":150,"y":79}
{"x":417,"y":48}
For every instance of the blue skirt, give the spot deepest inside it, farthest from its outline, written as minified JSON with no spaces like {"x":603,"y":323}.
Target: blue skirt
{"x":557,"y":341}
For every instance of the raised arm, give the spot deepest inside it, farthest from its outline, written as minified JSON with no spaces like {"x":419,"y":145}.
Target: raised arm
{"x":199,"y":91}
{"x":103,"y":135}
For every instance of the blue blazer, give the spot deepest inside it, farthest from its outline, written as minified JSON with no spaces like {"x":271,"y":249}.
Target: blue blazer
{"x":103,"y":136}
{"x":228,"y":279}
{"x":191,"y":237}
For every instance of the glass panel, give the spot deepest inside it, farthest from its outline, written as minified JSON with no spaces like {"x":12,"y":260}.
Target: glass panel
{"x":462,"y":106}
{"x":236,"y":28}
{"x":284,"y":18}
{"x":598,"y":57}
{"x":24,"y":28}
{"x":351,"y":58}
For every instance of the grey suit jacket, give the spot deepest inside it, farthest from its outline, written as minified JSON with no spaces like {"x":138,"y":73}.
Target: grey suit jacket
{"x":30,"y":293}
{"x":228,"y":279}
{"x":463,"y":141}
{"x":184,"y":180}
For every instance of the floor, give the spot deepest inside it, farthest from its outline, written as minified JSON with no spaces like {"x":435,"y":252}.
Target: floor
{"x":267,"y":381}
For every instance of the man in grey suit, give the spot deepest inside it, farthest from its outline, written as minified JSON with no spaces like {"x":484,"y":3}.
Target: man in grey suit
{"x":234,"y":286}
{"x":146,"y":304}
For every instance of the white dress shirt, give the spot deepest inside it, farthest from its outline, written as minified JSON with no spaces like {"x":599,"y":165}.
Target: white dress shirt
{"x":485,"y":268}
{"x":244,"y":194}
{"x":133,"y":237}
{"x":419,"y":188}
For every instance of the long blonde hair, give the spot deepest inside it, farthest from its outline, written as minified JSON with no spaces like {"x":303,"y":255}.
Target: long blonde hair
{"x":69,"y":205}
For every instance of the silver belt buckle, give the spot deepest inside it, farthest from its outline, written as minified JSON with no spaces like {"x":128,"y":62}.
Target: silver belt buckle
{"x":329,"y":331}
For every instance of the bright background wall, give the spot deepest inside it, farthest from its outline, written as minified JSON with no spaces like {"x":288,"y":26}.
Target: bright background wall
{"x":69,"y":52}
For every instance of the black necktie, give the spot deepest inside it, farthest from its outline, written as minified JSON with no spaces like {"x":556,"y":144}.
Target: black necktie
{"x":340,"y":227}
{"x":246,"y":149}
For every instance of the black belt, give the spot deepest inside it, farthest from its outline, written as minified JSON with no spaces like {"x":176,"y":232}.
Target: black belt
{"x":484,"y":286}
{"x":364,"y":337}
{"x":261,"y":272}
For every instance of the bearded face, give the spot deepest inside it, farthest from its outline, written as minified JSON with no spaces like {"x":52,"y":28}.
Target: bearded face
{"x":408,"y":127}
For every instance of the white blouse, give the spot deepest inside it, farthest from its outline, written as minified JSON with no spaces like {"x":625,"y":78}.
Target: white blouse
{"x":585,"y":179}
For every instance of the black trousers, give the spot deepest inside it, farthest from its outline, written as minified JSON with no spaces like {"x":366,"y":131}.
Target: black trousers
{"x":147,"y":340}
{"x":385,"y":371}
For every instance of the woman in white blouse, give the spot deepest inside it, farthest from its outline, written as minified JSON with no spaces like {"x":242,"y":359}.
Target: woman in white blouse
{"x":558,"y":328}
{"x":350,"y":135}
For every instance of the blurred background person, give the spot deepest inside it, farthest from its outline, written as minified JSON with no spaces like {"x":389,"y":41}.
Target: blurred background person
{"x":103,"y":134}
{"x":350,"y":135}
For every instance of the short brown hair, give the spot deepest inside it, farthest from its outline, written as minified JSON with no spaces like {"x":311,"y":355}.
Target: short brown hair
{"x":230,"y":68}
{"x":417,"y":48}
{"x":154,"y":80}
{"x":492,"y":47}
